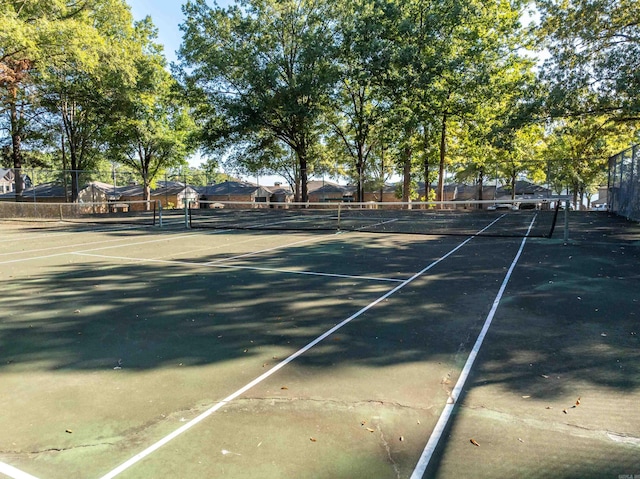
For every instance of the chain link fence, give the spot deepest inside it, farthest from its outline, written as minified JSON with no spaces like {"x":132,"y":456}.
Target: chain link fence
{"x":48,"y":184}
{"x":624,"y":183}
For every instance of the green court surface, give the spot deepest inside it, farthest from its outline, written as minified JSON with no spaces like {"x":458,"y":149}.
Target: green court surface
{"x":139,"y":352}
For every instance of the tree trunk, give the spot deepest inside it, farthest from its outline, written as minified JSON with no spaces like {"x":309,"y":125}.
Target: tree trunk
{"x":16,"y":142}
{"x":303,"y":179}
{"x":481,"y":187}
{"x":443,"y":147}
{"x":406,"y":176}
{"x":381,"y":173}
{"x":425,"y":166}
{"x":360,"y":168}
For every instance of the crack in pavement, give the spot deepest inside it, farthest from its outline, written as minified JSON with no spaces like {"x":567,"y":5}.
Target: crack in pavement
{"x":387,"y":448}
{"x":55,"y":449}
{"x":558,"y":426}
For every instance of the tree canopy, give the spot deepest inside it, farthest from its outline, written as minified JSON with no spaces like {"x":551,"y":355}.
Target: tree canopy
{"x":364,"y":90}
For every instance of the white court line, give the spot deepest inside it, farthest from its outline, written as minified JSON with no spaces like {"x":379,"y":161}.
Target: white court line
{"x":227,"y":266}
{"x":267,"y":250}
{"x":21,"y":260}
{"x":51,"y":248}
{"x":14,"y":473}
{"x":64,"y":232}
{"x":154,"y":447}
{"x":437,"y":432}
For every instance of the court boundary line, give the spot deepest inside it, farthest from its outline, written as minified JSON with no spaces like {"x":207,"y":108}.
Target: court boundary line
{"x":230,"y":266}
{"x":201,"y":417}
{"x":14,"y":473}
{"x":443,"y":420}
{"x":181,"y":236}
{"x":20,"y":260}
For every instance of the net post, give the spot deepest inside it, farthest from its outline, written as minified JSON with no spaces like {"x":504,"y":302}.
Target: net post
{"x":566,"y":222}
{"x":339,"y":211}
{"x":187,"y":206}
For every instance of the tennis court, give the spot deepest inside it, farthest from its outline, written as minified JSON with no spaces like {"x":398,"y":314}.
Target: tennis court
{"x":136,"y":352}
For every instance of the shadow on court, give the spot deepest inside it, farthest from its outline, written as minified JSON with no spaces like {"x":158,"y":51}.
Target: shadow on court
{"x":556,"y":384}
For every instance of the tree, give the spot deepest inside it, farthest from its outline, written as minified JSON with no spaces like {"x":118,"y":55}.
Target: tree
{"x":58,"y":55}
{"x":260,"y":68}
{"x":150,"y":129}
{"x":578,"y":150}
{"x":594,"y":48}
{"x":28,"y":41}
{"x":356,"y":110}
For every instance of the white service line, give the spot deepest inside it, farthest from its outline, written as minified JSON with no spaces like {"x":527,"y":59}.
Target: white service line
{"x":154,"y":447}
{"x":253,"y":253}
{"x":21,"y":260}
{"x":14,"y":473}
{"x":225,"y":266}
{"x":437,"y":432}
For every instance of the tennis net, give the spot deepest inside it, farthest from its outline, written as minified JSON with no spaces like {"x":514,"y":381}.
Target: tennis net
{"x":483,"y":218}
{"x":117,"y":212}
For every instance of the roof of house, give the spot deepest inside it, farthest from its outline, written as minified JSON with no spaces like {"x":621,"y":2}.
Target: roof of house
{"x":234,"y":188}
{"x":6,"y":174}
{"x":319,"y":187}
{"x":45,"y":190}
{"x":523,"y":187}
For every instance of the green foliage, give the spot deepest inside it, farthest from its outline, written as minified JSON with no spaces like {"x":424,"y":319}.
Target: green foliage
{"x":594,"y":48}
{"x":260,"y":69}
{"x":149,"y":128}
{"x":578,"y":151}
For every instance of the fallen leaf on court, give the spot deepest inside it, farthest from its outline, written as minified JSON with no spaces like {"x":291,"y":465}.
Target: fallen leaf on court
{"x":284,"y":387}
{"x":526,"y":397}
{"x":401,"y":438}
{"x":246,"y":351}
{"x":548,"y":407}
{"x":578,"y":402}
{"x":564,"y":411}
{"x":544,"y":376}
{"x":68,"y":431}
{"x":520,"y":439}
{"x":362,"y":423}
{"x":76,"y":311}
{"x":371,"y":430}
{"x":474,"y":442}
{"x":604,"y":335}
{"x":312,"y":439}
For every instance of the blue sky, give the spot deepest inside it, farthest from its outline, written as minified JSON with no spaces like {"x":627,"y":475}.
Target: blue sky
{"x":166,"y":16}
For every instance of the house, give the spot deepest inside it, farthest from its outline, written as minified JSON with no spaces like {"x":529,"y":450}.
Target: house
{"x":327,"y":191}
{"x":44,"y":193}
{"x":235,"y":191}
{"x":280,"y":194}
{"x":523,"y":189}
{"x":175,"y":195}
{"x":8,"y":180}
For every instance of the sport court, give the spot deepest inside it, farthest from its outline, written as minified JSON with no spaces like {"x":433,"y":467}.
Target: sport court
{"x":139,"y":352}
